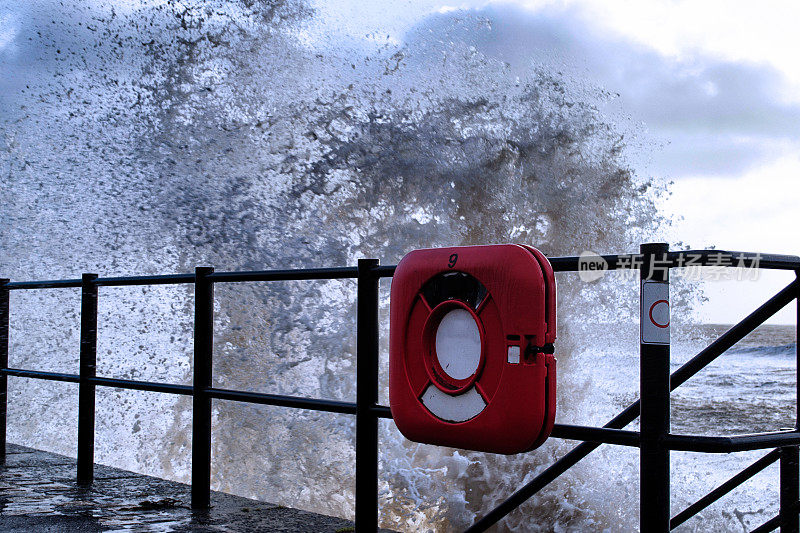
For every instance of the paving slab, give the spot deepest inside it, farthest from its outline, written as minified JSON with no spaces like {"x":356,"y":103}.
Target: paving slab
{"x":38,"y":492}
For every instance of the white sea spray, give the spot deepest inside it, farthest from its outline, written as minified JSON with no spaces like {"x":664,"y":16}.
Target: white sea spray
{"x":157,"y":136}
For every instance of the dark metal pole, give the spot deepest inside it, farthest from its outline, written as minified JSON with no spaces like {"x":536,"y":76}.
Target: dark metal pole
{"x":789,"y":468}
{"x":4,"y":320}
{"x":654,"y":389}
{"x":790,"y":489}
{"x":87,"y":369}
{"x":201,"y":401}
{"x":366,"y":398}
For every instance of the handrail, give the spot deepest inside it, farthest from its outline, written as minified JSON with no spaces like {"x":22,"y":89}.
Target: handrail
{"x":286,"y":275}
{"x":47,"y":284}
{"x":629,"y":414}
{"x":368,"y":411}
{"x":676,"y":259}
{"x":38,"y":374}
{"x":562,"y":431}
{"x":125,"y":281}
{"x":734,"y":443}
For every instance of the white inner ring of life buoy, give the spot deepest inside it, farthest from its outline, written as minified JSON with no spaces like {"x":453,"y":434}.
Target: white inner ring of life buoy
{"x":458,"y":351}
{"x":458,"y":344}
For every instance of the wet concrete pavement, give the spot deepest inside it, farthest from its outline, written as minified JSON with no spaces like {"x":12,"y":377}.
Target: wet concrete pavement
{"x":38,"y":492}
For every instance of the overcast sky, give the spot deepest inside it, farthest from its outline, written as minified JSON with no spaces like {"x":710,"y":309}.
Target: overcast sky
{"x":714,"y":86}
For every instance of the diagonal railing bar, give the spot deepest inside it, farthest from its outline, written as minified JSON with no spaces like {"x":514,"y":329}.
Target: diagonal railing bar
{"x":770,"y":525}
{"x":690,"y":368}
{"x":724,"y":489}
{"x":773,"y":523}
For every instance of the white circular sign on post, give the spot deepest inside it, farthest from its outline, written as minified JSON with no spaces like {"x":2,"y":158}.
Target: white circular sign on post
{"x":654,"y":316}
{"x":458,"y":344}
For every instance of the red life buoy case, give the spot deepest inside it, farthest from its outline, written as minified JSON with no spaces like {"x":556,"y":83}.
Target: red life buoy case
{"x":471,"y":360}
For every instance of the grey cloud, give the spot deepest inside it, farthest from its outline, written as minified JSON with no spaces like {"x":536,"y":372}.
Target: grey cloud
{"x":708,"y":117}
{"x":712,"y":116}
{"x":702,"y":154}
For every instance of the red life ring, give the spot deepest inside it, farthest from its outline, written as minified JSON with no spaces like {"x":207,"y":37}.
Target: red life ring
{"x":471,"y":360}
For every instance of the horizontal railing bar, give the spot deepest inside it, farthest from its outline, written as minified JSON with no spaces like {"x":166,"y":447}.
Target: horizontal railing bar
{"x":102,"y":381}
{"x":38,"y":374}
{"x":606,"y":435}
{"x":694,"y":365}
{"x":736,"y":443}
{"x":724,"y":489}
{"x":382,"y":411}
{"x":758,"y":260}
{"x":596,"y":435}
{"x":560,"y":264}
{"x":572,"y":264}
{"x":385,"y":271}
{"x":674,"y":260}
{"x":677,"y":259}
{"x":166,"y":279}
{"x":565,"y":431}
{"x":150,"y":386}
{"x":314,"y":404}
{"x":286,"y":275}
{"x":49,"y":284}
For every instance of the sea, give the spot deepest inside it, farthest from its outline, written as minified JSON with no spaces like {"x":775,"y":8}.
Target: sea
{"x":749,"y":389}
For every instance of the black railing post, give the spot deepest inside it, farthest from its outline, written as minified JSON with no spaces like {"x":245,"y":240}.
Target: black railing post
{"x":789,"y":490}
{"x":4,"y":321}
{"x":366,"y":398}
{"x":654,"y":389}
{"x":87,"y":369}
{"x":201,"y":401}
{"x":789,"y":467}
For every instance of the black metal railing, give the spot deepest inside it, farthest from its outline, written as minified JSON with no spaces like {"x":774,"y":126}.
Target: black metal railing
{"x":654,"y":439}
